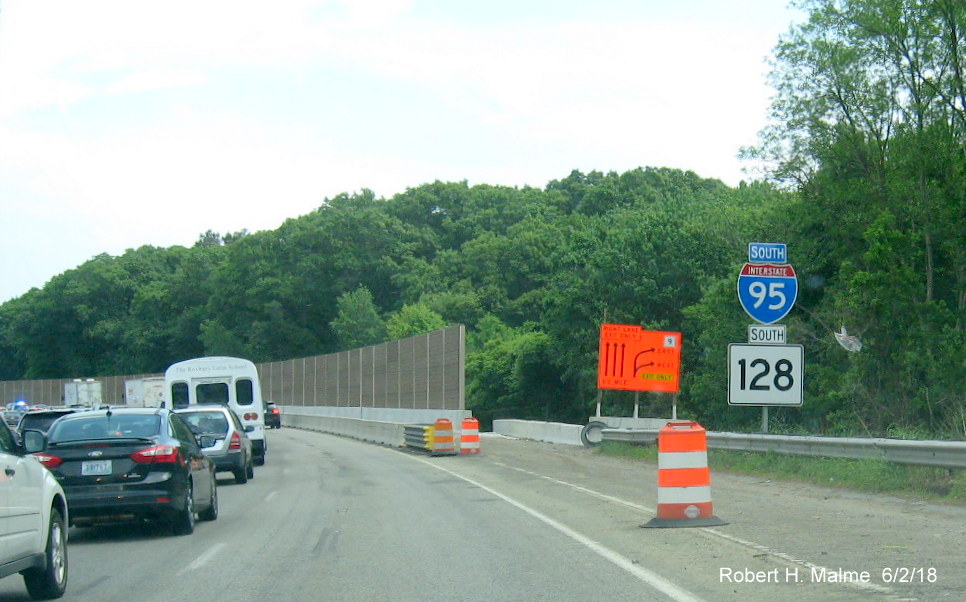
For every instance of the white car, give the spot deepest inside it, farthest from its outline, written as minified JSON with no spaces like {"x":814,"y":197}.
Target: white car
{"x":33,"y":519}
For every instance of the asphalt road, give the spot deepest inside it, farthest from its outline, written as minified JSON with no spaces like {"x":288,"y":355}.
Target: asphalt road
{"x":329,"y":518}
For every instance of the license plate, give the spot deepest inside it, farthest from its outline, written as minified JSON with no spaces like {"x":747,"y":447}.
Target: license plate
{"x":96,"y":467}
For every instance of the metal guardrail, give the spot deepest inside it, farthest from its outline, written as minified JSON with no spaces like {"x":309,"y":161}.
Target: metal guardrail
{"x":941,"y":454}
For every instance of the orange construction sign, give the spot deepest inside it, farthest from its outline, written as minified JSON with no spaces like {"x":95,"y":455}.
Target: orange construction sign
{"x":634,"y":359}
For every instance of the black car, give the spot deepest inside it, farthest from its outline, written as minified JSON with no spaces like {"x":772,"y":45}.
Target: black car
{"x":41,"y":419}
{"x":129,"y":464}
{"x":273,"y":415}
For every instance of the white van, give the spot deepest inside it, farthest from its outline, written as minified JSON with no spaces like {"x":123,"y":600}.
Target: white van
{"x":229,"y":381}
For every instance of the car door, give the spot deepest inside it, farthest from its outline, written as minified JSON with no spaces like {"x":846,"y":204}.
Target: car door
{"x":198,"y":463}
{"x":21,"y":490}
{"x":7,"y":464}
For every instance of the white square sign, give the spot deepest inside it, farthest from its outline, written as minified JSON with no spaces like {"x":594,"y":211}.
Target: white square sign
{"x":765,"y":375}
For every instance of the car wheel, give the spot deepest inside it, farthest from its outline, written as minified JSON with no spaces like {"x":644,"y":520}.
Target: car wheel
{"x":51,"y":581}
{"x":184,"y":520}
{"x":250,"y":470}
{"x":241,"y":475}
{"x":259,"y":460}
{"x":211,"y":512}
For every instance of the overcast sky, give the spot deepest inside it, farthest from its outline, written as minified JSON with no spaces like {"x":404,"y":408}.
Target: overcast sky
{"x":126,"y":123}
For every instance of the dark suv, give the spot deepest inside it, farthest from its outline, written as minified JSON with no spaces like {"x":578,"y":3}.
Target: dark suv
{"x":41,"y":419}
{"x":129,"y":463}
{"x":273,"y":415}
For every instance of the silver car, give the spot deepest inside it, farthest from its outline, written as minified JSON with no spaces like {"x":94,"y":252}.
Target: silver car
{"x":231,"y":450}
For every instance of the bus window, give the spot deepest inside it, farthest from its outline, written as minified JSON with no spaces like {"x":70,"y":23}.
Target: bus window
{"x":244,"y":394}
{"x":179,"y":395}
{"x":212,"y":393}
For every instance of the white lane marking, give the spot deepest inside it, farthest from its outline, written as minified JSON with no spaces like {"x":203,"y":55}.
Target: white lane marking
{"x":649,"y":577}
{"x":270,"y":495}
{"x":596,"y":494}
{"x":204,"y":559}
{"x":874,"y":587}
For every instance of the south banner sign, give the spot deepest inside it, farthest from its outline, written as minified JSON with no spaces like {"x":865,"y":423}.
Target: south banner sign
{"x":634,"y":359}
{"x":767,"y":292}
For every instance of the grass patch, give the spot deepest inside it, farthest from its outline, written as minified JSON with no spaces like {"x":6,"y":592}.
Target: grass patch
{"x":870,"y":476}
{"x":629,"y":450}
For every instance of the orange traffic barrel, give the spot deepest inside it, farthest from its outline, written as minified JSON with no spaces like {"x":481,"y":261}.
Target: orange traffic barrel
{"x":443,"y":442}
{"x":683,"y":478}
{"x":470,"y":436}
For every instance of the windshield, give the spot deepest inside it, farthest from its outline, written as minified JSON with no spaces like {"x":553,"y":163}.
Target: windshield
{"x":113,"y":426}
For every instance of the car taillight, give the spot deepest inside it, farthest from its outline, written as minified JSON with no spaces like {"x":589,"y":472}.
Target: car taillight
{"x":158,"y":453}
{"x":48,"y":460}
{"x":276,"y":411}
{"x":251,"y":416}
{"x":235,"y":442}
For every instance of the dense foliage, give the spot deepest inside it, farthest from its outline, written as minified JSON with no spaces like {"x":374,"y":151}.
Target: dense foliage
{"x":867,"y":150}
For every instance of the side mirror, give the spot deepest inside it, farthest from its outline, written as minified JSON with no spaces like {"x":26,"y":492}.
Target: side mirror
{"x":206,"y":441}
{"x":34,"y":441}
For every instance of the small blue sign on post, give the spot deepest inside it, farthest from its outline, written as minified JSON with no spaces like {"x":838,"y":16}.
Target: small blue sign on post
{"x":767,"y":252}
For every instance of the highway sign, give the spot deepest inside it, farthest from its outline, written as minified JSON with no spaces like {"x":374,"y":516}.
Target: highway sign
{"x":767,"y":252}
{"x":634,"y":359}
{"x":765,"y":375}
{"x":767,"y":292}
{"x":773,"y":334}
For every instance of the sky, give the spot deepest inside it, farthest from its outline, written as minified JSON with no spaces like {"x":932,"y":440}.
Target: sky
{"x":126,"y":123}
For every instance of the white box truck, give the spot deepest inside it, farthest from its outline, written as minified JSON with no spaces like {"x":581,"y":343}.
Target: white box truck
{"x":87,"y":393}
{"x":145,"y":392}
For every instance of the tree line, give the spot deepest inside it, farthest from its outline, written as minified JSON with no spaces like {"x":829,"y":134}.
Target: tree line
{"x":866,"y":184}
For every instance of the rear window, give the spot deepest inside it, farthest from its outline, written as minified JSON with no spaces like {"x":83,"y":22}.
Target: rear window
{"x":179,"y":395}
{"x":115,"y":426}
{"x":212,"y":393}
{"x":40,"y":422}
{"x":244,"y":392}
{"x":206,"y":423}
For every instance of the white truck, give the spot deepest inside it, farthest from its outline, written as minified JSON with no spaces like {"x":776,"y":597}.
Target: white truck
{"x":148,"y":392}
{"x":88,"y":393}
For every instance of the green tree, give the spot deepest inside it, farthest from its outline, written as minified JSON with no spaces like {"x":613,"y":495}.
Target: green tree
{"x":219,"y":340}
{"x":358,"y":323}
{"x":869,"y":123}
{"x":412,"y":320}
